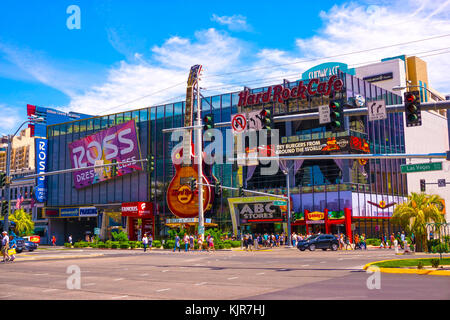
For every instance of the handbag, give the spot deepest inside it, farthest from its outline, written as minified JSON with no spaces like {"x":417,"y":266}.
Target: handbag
{"x":11,"y":252}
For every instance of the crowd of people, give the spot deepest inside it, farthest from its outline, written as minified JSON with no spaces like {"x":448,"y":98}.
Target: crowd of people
{"x":191,"y":239}
{"x":9,"y":246}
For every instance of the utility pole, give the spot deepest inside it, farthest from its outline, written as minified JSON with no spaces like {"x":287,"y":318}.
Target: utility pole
{"x":8,"y":183}
{"x":199,"y":152}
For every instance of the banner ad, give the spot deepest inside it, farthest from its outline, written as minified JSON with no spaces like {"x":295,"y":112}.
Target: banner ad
{"x":119,"y":143}
{"x":40,"y":192}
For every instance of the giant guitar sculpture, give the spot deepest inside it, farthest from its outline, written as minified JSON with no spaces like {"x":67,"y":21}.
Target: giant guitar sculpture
{"x":181,"y":200}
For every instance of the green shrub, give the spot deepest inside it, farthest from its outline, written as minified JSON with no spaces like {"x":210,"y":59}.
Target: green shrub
{"x":227,"y":245}
{"x":77,"y":245}
{"x":235,"y":244}
{"x":115,"y":244}
{"x":435,"y":263}
{"x":169,"y":244}
{"x":101,"y":245}
{"x":124,"y":244}
{"x":373,"y":242}
{"x":133,"y":244}
{"x":67,"y":245}
{"x":121,"y":236}
{"x":420,"y":265}
{"x":156,"y":244}
{"x":220,"y":246}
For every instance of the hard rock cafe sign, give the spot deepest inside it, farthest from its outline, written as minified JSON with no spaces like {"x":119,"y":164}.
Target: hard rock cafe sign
{"x":279,"y":93}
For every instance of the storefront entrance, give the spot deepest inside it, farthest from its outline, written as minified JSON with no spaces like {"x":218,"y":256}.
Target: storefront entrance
{"x":139,"y":227}
{"x":140,"y":219}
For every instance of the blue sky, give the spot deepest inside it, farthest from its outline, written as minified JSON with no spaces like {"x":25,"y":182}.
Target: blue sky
{"x":129,"y":49}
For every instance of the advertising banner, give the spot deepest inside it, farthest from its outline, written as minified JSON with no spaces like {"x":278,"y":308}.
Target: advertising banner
{"x":40,"y":192}
{"x":88,"y":212}
{"x":69,"y":212}
{"x":119,"y":143}
{"x":137,"y":209}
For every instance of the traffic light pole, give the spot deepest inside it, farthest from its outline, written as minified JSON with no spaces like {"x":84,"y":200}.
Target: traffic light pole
{"x":7,"y":186}
{"x":199,"y":153}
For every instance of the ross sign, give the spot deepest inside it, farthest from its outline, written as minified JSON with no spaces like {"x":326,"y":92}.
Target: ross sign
{"x":324,"y":114}
{"x":69,"y":212}
{"x":420,"y":167}
{"x":137,"y":209}
{"x":377,"y":110}
{"x":88,"y":212}
{"x":40,"y":191}
{"x":279,"y":93}
{"x":118,"y":143}
{"x":379,"y":77}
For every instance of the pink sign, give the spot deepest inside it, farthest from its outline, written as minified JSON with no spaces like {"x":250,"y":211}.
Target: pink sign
{"x":119,"y":143}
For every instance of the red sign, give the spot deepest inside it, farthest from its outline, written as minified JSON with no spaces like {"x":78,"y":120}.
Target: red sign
{"x":35,"y":239}
{"x":359,"y":144}
{"x":137,"y":209}
{"x":279,"y":93}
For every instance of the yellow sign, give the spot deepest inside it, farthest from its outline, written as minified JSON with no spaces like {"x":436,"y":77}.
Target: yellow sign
{"x":316,"y":215}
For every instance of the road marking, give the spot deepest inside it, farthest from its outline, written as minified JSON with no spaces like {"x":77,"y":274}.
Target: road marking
{"x":119,"y":297}
{"x":201,"y":283}
{"x":118,"y":279}
{"x":305,"y":265}
{"x":10,"y":295}
{"x":164,"y":270}
{"x":260,"y":273}
{"x":232,"y":278}
{"x":145,"y":274}
{"x":161,"y":290}
{"x":41,"y":274}
{"x":89,"y":284}
{"x":322,"y":261}
{"x":50,"y":290}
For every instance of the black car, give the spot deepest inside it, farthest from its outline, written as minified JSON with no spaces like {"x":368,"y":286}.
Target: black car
{"x":23,"y":244}
{"x":319,"y":241}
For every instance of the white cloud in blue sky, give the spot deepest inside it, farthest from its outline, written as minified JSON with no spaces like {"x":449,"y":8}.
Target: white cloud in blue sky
{"x":235,"y":22}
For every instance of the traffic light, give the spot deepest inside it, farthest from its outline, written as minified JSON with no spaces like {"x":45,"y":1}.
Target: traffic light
{"x":412,"y":109}
{"x":193,"y":184}
{"x":150,"y":163}
{"x":2,"y":179}
{"x":208,"y":122}
{"x":336,"y":115}
{"x":241,"y":192}
{"x":266,"y":119}
{"x":422,"y":185}
{"x":4,"y":208}
{"x":217,"y":188}
{"x":113,"y":168}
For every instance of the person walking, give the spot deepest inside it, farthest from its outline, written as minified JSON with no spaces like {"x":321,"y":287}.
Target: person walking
{"x":250,"y":242}
{"x":70,"y":240}
{"x":341,"y":242}
{"x":150,"y":242}
{"x":5,"y":246}
{"x":145,"y":241}
{"x":177,"y":244}
{"x":391,"y":243}
{"x":363,"y":241}
{"x":294,"y":238}
{"x":12,"y":246}
{"x":256,"y":242}
{"x":396,"y":245}
{"x":54,"y":241}
{"x":186,"y":242}
{"x":211,"y":244}
{"x":191,"y":242}
{"x":200,"y":243}
{"x":347,"y":243}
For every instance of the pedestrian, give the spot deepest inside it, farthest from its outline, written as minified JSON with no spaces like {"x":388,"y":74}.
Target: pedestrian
{"x":145,"y":241}
{"x":391,"y":243}
{"x":70,"y":240}
{"x":245,"y":242}
{"x":211,"y":244}
{"x":150,"y":242}
{"x":250,"y":241}
{"x":341,"y":242}
{"x":347,"y":243}
{"x":12,"y":248}
{"x":357,"y":246}
{"x":255,"y":242}
{"x":191,"y":242}
{"x":5,"y":246}
{"x":363,"y":241}
{"x":186,"y":242}
{"x":177,"y":244}
{"x":396,"y":245}
{"x":54,"y":241}
{"x":294,"y":238}
{"x":200,"y":243}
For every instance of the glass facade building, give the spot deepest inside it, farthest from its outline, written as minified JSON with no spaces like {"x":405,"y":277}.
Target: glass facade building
{"x":365,"y":189}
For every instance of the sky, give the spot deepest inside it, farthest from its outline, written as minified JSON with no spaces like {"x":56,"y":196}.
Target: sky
{"x":124,"y":55}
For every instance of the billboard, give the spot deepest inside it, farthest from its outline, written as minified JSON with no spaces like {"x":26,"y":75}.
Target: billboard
{"x":40,"y":191}
{"x":119,"y":143}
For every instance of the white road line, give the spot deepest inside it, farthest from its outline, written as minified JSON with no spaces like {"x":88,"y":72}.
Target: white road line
{"x":89,"y":284}
{"x":50,"y":290}
{"x":232,"y":278}
{"x":10,"y":295}
{"x":260,"y":273}
{"x":145,"y":274}
{"x":305,"y":265}
{"x":201,"y":283}
{"x":118,"y":279}
{"x":119,"y":297}
{"x":41,"y":274}
{"x":161,"y":290}
{"x":164,"y":270}
{"x":322,"y":261}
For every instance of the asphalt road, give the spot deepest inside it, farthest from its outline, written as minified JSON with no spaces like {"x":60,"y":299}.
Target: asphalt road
{"x":278,"y":274}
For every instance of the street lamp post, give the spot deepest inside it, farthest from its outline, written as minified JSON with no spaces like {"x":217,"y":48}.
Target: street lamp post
{"x":8,"y":171}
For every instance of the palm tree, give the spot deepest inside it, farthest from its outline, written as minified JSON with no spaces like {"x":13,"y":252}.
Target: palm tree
{"x":414,"y":215}
{"x":24,"y":222}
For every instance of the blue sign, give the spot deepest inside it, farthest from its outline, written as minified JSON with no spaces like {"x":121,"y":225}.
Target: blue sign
{"x":69,"y":212}
{"x":327,"y":69}
{"x":88,"y":212}
{"x":40,"y":191}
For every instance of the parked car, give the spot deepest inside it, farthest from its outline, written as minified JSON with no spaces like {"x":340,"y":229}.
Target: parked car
{"x":24,"y":244}
{"x":319,"y":241}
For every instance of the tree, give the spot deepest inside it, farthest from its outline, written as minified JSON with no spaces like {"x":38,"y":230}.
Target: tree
{"x":24,"y":222}
{"x":414,"y":215}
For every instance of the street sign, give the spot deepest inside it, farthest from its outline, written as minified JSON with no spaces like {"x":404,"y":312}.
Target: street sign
{"x":97,"y":231}
{"x":377,"y":110}
{"x":280,"y":203}
{"x":441,"y":183}
{"x":420,"y":167}
{"x":324,"y":114}
{"x":239,"y":122}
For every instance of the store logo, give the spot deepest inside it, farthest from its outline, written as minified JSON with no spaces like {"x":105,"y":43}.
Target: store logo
{"x":280,"y":94}
{"x":382,"y":204}
{"x":316,"y":216}
{"x":130,"y":209}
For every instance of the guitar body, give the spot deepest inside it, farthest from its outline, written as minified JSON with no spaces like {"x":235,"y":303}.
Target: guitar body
{"x":181,"y":200}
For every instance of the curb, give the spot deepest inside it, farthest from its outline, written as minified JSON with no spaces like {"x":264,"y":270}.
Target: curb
{"x":368,"y":266}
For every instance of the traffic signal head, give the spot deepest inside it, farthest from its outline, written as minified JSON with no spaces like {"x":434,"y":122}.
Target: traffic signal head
{"x":336,"y":116}
{"x":150,"y":163}
{"x":422,"y":185}
{"x":412,"y":109}
{"x":4,"y":208}
{"x":208,"y":122}
{"x":266,"y":119}
{"x":2,"y":179}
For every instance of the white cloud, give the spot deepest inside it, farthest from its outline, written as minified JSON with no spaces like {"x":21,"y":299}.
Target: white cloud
{"x":11,"y":119}
{"x":235,"y":22}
